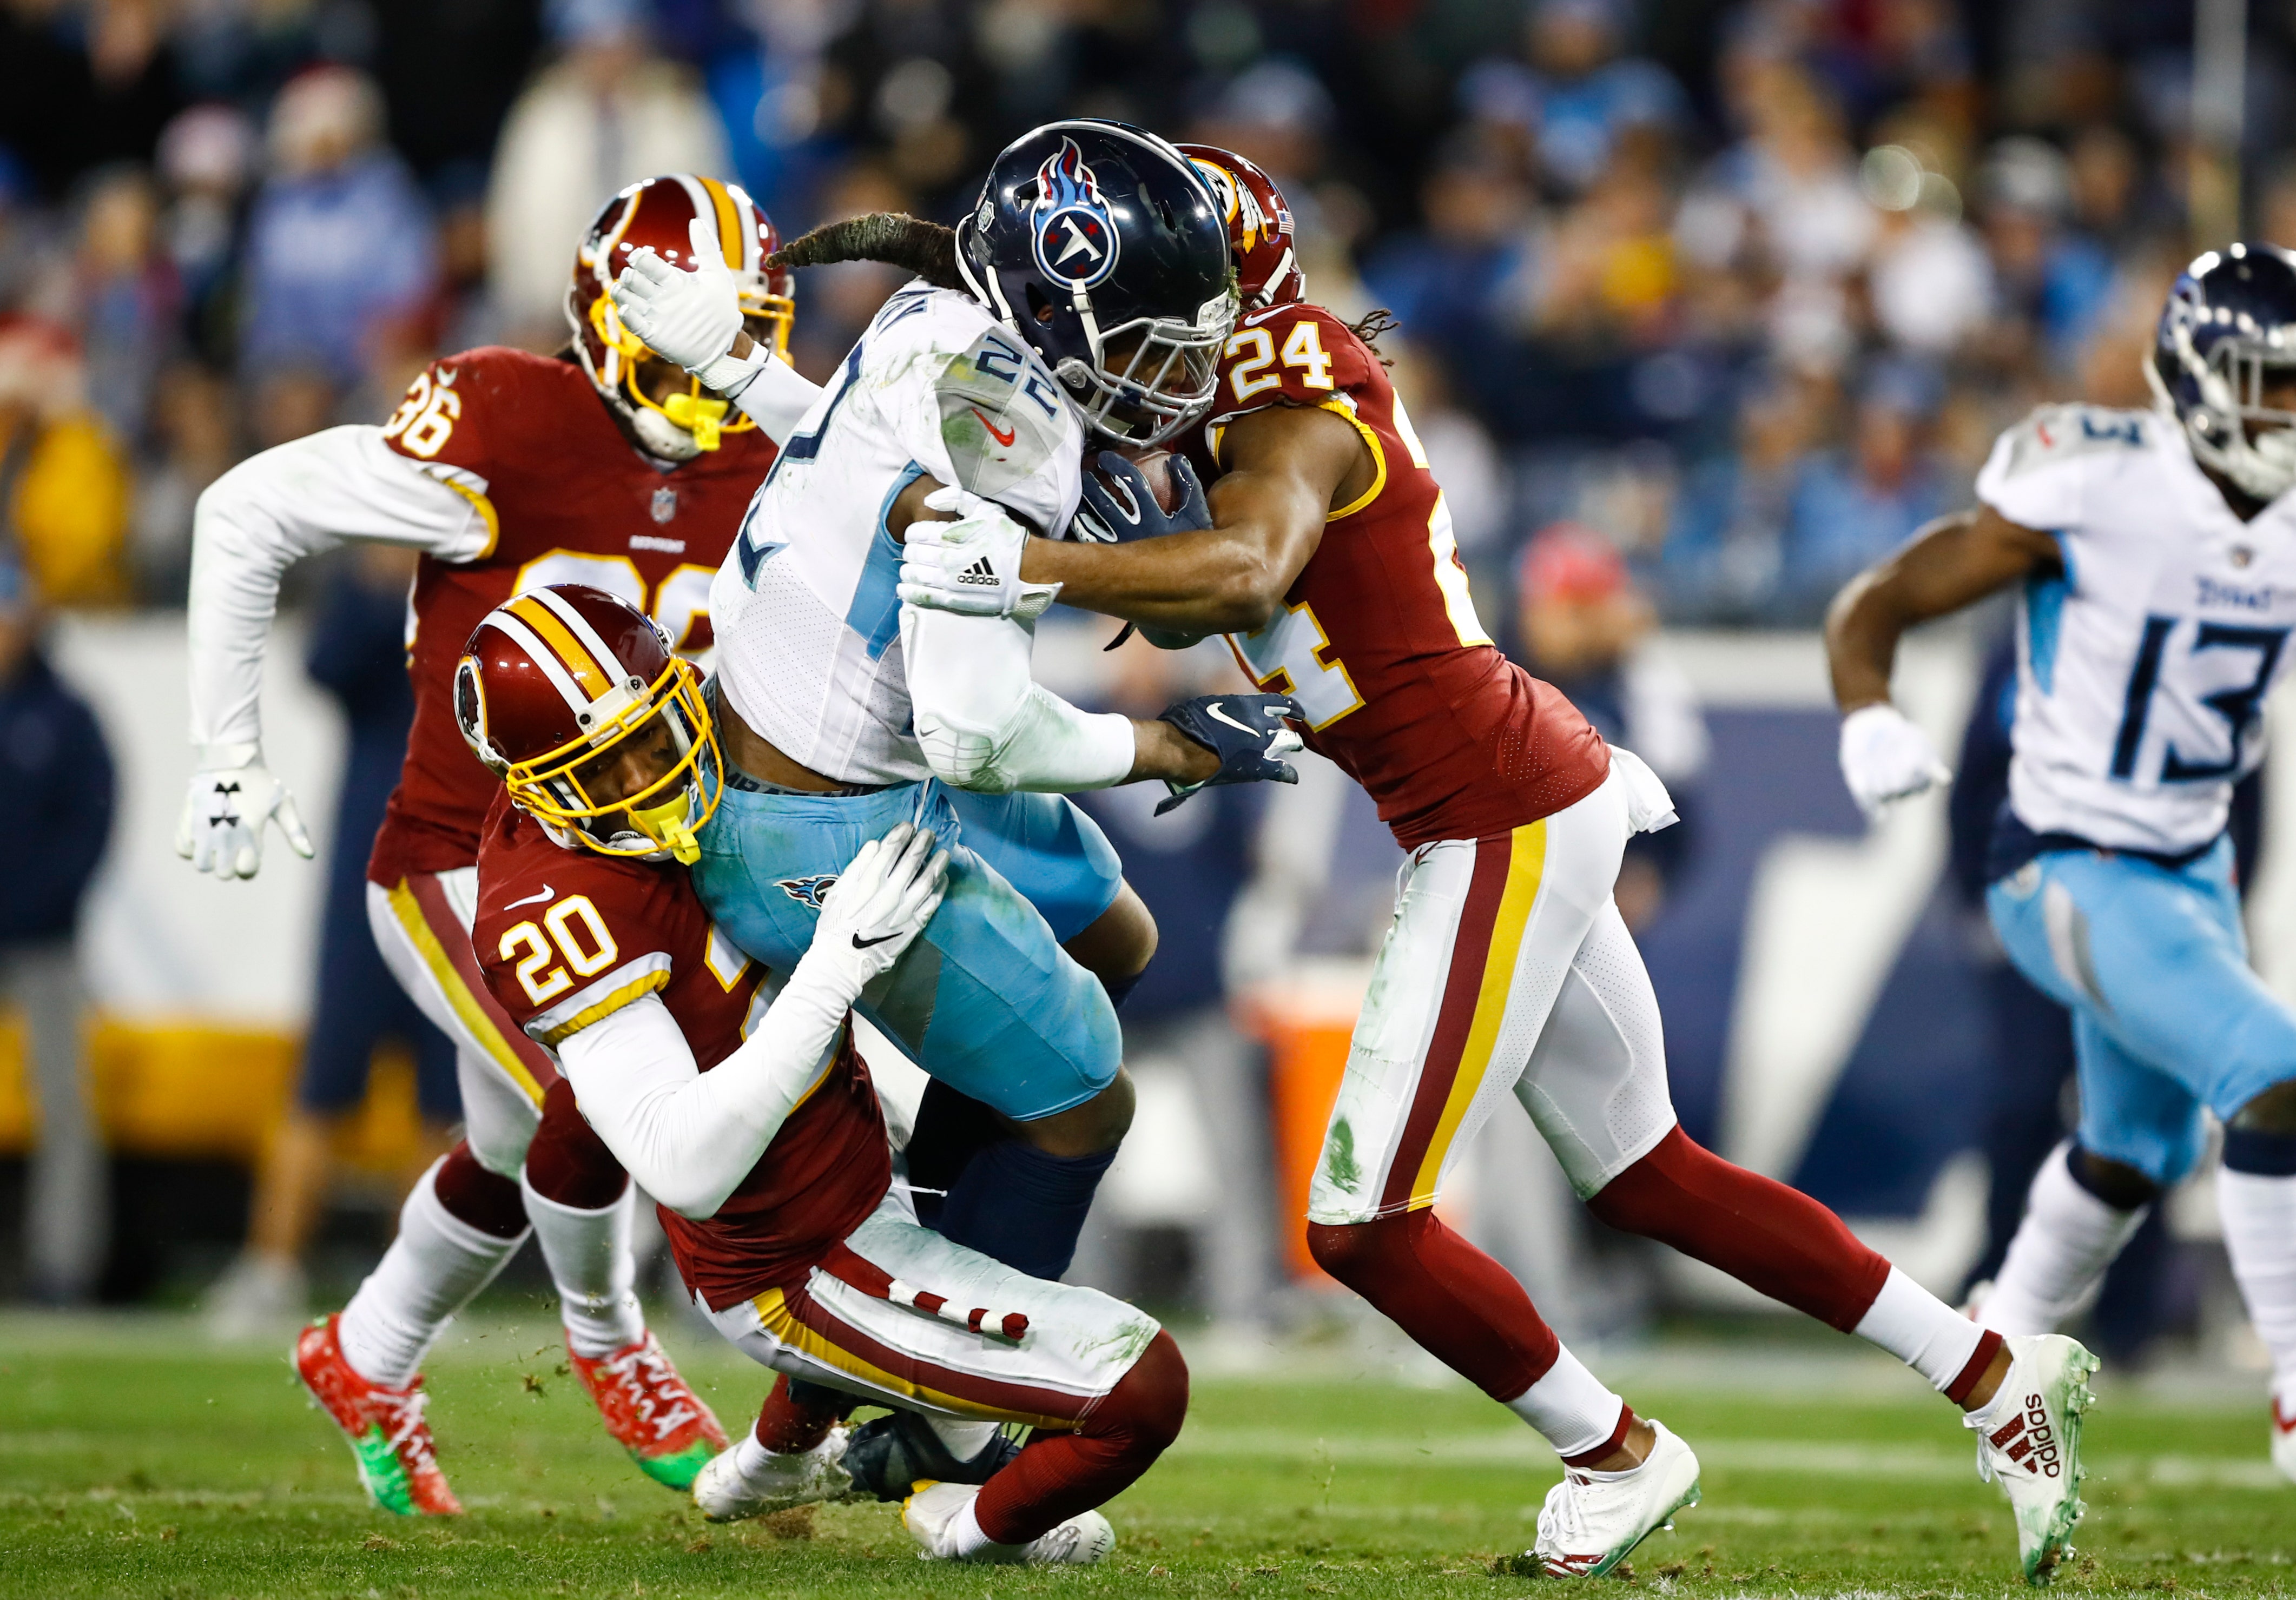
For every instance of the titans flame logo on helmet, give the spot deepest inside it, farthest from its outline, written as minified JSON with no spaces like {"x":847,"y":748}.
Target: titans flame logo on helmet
{"x":1076,"y":240}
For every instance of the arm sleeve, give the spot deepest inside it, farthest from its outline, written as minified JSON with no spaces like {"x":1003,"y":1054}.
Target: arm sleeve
{"x":777,"y":400}
{"x":273,"y":510}
{"x":987,"y":725}
{"x":691,"y":1137}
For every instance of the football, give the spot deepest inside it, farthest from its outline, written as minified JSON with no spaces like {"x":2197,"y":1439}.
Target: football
{"x":1155,"y":464}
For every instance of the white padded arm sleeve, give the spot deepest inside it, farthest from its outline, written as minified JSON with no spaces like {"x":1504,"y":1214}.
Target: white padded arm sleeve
{"x":691,"y":1136}
{"x":985,"y":725}
{"x":777,"y":400}
{"x":271,"y":511}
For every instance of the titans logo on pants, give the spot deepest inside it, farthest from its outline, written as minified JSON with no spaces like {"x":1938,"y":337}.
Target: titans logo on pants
{"x":809,"y":891}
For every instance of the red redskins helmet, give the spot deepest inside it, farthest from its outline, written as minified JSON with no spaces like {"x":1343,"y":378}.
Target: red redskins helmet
{"x":656,"y":214}
{"x":1259,"y":226}
{"x":576,"y":700}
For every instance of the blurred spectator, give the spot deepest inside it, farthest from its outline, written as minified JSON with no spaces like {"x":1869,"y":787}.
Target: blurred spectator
{"x":2056,"y":280}
{"x":1573,"y":99}
{"x":359,"y":656}
{"x":50,"y":747}
{"x":835,"y":303}
{"x":1189,"y":866}
{"x":193,"y":444}
{"x":339,"y":251}
{"x":207,"y":158}
{"x":1726,"y":550}
{"x":1586,"y":629}
{"x":1459,"y":450}
{"x":64,"y":481}
{"x":84,"y":85}
{"x":130,"y":299}
{"x":1931,"y":284}
{"x":608,"y":112}
{"x":1855,"y":504}
{"x":1450,"y":283}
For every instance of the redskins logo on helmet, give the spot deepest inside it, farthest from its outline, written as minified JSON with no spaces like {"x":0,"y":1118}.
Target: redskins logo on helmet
{"x":1259,"y":226}
{"x":655,"y":213}
{"x":574,"y":698}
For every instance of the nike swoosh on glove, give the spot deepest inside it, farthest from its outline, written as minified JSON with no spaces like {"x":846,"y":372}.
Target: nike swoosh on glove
{"x":971,"y":566}
{"x":875,"y":910}
{"x":689,"y":317}
{"x":1118,"y":513}
{"x":1247,"y":732}
{"x":231,"y":796}
{"x":1885,"y":758}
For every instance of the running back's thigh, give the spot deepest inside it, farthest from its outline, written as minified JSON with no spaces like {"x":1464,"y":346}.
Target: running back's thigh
{"x":2130,"y":1112}
{"x":423,"y":928}
{"x":1483,"y":937}
{"x":1596,"y":1082}
{"x":1047,"y":848}
{"x":840,"y":1328}
{"x":2156,"y":961}
{"x":987,"y":1001}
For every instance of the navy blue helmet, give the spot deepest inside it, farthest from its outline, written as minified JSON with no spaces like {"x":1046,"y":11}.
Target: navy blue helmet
{"x":1099,"y":244}
{"x":2230,"y":320}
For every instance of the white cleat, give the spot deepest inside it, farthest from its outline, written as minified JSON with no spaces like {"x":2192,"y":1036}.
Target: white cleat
{"x":725,"y":1495}
{"x":1592,"y":1520}
{"x":930,"y":1514}
{"x":2283,"y":1432}
{"x":2029,"y":1442}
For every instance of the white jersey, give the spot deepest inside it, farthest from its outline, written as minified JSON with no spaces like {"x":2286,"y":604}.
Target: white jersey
{"x":805,"y":608}
{"x":2142,"y":668}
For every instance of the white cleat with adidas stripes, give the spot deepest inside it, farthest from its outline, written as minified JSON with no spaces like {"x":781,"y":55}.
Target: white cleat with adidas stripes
{"x":939,"y":1516}
{"x":1592,"y":1520}
{"x":2029,"y":1442}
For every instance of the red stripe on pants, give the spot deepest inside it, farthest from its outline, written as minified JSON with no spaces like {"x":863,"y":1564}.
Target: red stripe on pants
{"x":1463,"y":989}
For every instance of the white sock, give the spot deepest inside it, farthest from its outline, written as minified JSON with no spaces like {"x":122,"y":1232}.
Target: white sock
{"x":960,"y":1438}
{"x":963,"y":1537}
{"x":2057,"y":1261}
{"x":590,"y":1261}
{"x":1570,"y":1406}
{"x":2258,"y":1213}
{"x":1920,"y":1330}
{"x":431,"y":1270}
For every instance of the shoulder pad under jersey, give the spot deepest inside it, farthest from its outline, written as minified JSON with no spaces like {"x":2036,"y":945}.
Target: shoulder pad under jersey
{"x":2051,"y":434}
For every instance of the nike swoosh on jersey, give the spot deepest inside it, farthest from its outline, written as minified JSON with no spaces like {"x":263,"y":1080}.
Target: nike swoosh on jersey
{"x":1216,"y":715}
{"x":1002,"y":436}
{"x":532,"y":899}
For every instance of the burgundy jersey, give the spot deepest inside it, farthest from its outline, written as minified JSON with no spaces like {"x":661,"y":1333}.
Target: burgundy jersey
{"x":568,"y":936}
{"x":1378,"y":638}
{"x":569,"y":500}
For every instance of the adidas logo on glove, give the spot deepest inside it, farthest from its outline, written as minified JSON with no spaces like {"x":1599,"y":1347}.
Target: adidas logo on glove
{"x":979,"y":573}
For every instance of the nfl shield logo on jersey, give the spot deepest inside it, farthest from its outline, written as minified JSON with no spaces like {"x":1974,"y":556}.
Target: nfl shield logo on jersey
{"x":665,"y":503}
{"x":809,"y":891}
{"x":1076,"y":240}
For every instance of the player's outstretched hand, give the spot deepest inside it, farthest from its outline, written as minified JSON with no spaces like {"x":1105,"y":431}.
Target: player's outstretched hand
{"x":971,"y":566}
{"x":879,"y":905}
{"x":1248,"y":733}
{"x":1885,"y":758}
{"x":688,"y":318}
{"x":1119,"y":507}
{"x":232,"y":795}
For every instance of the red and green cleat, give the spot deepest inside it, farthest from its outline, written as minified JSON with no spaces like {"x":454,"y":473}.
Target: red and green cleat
{"x":398,"y":1462}
{"x":648,"y":1408}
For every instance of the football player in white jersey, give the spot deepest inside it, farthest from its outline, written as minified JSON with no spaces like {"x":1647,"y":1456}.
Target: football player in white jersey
{"x":1101,"y":298}
{"x":2156,"y":552}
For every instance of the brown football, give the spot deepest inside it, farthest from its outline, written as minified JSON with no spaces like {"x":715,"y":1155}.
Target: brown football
{"x":1155,"y":464}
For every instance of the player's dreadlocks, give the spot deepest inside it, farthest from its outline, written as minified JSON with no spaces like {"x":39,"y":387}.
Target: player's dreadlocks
{"x":1373,"y":324}
{"x":927,"y":249}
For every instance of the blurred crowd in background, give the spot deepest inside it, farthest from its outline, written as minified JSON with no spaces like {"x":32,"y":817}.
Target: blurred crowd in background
{"x":1745,"y":288}
{"x":1702,"y":304}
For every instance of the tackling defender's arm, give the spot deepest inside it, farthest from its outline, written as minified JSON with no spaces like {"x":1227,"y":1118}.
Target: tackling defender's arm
{"x":1952,"y":562}
{"x":689,"y":1136}
{"x":251,"y":524}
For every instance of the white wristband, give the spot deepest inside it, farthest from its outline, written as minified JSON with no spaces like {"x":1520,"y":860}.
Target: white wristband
{"x":729,"y":375}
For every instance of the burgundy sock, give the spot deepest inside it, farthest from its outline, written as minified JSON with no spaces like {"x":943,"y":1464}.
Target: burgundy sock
{"x":1461,"y":1306}
{"x":788,"y":1428}
{"x":487,"y":1200}
{"x":1765,"y":1234}
{"x":567,"y":1162}
{"x":1061,"y":1474}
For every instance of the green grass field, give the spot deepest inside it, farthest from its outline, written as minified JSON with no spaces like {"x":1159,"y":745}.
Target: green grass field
{"x":135,"y":1460}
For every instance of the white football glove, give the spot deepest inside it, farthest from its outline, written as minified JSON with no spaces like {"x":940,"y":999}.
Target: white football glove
{"x":689,"y":317}
{"x":1885,"y":758}
{"x":874,"y":911}
{"x":971,"y":566}
{"x":232,"y":795}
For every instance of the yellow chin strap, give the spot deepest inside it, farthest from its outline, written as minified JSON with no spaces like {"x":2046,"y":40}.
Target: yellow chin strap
{"x":668,"y":822}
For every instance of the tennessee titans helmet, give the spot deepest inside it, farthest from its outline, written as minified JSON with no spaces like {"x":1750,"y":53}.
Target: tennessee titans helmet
{"x":1098,"y":243}
{"x":2230,"y":320}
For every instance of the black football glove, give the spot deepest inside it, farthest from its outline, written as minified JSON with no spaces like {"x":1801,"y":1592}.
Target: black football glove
{"x":1247,"y":732}
{"x":1128,"y":510}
